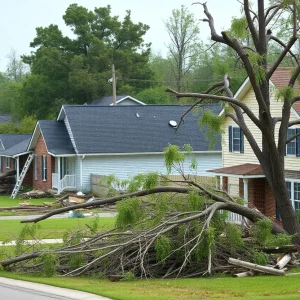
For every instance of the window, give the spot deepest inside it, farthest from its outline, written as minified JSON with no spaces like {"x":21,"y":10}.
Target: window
{"x":1,"y":166}
{"x":294,"y":192}
{"x":236,"y":139}
{"x":293,"y":147}
{"x":44,"y":167}
{"x":35,"y":164}
{"x":7,"y":162}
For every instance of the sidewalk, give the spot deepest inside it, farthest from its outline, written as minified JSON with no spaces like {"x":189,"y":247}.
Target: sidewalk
{"x":50,"y":291}
{"x":62,"y":216}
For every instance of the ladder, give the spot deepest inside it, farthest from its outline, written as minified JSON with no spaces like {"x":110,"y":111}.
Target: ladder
{"x":22,"y":175}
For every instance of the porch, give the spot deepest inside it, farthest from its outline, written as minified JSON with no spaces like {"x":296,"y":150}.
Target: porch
{"x":64,"y":176}
{"x":247,"y":181}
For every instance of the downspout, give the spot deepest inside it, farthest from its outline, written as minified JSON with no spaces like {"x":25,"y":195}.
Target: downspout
{"x":81,"y":175}
{"x":58,"y":175}
{"x":18,"y":167}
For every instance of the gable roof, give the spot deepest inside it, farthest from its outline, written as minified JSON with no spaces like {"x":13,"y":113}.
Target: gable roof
{"x":134,"y":129}
{"x":4,"y":118}
{"x":108,"y":100}
{"x":55,"y":135}
{"x":14,"y":144}
{"x":279,"y":79}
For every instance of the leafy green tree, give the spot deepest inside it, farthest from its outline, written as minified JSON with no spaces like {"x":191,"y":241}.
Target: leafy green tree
{"x":76,"y":70}
{"x":183,"y":31}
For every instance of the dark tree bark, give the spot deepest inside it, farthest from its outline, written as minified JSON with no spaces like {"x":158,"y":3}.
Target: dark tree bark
{"x":270,"y":155}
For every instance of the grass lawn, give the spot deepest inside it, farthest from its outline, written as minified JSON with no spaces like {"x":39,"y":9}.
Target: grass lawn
{"x":6,"y":201}
{"x":260,"y":287}
{"x":51,"y":228}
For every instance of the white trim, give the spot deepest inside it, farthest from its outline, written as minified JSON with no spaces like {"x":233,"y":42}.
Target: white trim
{"x":127,"y":154}
{"x":61,"y":114}
{"x":37,"y":127}
{"x":295,"y":113}
{"x":131,"y":98}
{"x":70,"y":133}
{"x":237,"y":175}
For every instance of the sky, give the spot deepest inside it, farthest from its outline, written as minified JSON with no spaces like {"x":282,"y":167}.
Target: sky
{"x":19,"y":18}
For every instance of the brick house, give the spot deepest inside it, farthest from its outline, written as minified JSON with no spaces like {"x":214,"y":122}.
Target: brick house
{"x":241,"y":174}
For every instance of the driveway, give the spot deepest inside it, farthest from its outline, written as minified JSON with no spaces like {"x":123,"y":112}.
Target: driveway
{"x":17,"y":289}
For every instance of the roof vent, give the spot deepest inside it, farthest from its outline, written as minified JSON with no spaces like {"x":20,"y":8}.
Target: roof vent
{"x":173,"y":123}
{"x":137,"y":115}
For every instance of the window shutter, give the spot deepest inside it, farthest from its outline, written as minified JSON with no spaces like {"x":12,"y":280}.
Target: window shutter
{"x":241,"y":141}
{"x":45,"y":168}
{"x":230,"y":138}
{"x":298,"y":142}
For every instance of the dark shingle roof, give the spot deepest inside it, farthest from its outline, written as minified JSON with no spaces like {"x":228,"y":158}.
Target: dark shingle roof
{"x":107,"y":100}
{"x":135,"y":129}
{"x":56,"y":137}
{"x":4,"y":118}
{"x":14,"y":143}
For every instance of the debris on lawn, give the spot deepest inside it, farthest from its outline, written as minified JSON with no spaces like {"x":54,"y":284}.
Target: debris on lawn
{"x":37,"y":194}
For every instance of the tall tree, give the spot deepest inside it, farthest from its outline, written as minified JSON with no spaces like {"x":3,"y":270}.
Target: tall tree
{"x":76,"y":70}
{"x":15,"y":69}
{"x":255,"y":59}
{"x":183,"y":31}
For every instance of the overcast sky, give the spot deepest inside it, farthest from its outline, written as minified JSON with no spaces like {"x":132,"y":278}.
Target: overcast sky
{"x":19,"y":18}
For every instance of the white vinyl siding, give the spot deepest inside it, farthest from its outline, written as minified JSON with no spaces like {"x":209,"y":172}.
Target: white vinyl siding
{"x":130,"y":165}
{"x":234,"y":158}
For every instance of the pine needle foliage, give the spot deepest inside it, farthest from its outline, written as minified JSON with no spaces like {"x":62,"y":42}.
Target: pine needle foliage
{"x":238,"y":27}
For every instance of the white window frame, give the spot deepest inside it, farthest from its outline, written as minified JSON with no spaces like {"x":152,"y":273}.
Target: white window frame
{"x":35,"y":165}
{"x":293,"y":142}
{"x":7,"y":162}
{"x":292,"y":191}
{"x":44,"y":168}
{"x":239,"y":139}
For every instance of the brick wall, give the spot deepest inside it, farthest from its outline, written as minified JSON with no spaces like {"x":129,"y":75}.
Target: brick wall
{"x":225,"y":184}
{"x":12,"y":164}
{"x":28,"y":180}
{"x":40,"y":150}
{"x":241,"y":187}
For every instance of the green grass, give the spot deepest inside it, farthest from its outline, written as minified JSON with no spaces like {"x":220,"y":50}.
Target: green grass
{"x":254,"y":288}
{"x":51,"y":228}
{"x":6,"y":201}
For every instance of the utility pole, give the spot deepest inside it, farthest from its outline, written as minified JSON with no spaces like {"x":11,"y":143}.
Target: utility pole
{"x":114,"y":84}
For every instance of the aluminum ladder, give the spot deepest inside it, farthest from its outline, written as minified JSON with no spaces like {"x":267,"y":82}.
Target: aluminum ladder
{"x":22,"y":175}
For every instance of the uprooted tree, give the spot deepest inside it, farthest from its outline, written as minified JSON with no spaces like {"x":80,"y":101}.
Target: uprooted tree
{"x":250,"y":38}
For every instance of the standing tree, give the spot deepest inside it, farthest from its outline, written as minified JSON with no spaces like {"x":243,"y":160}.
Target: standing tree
{"x":183,"y":31}
{"x":254,"y":56}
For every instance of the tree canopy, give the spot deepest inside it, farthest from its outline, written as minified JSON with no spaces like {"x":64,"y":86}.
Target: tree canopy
{"x":76,"y":70}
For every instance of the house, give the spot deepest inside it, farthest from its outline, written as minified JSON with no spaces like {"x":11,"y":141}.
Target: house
{"x":120,"y":100}
{"x":14,"y":153}
{"x":241,"y":172}
{"x":120,"y":140}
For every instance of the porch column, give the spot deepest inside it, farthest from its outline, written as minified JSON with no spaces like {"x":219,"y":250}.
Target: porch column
{"x":245,"y":180}
{"x":18,"y":167}
{"x":58,"y":175}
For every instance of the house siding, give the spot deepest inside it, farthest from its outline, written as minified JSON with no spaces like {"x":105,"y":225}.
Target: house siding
{"x":40,"y":150}
{"x":234,"y":158}
{"x":130,"y":165}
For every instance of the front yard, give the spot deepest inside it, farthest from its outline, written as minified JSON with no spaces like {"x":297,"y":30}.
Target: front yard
{"x":254,"y":288}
